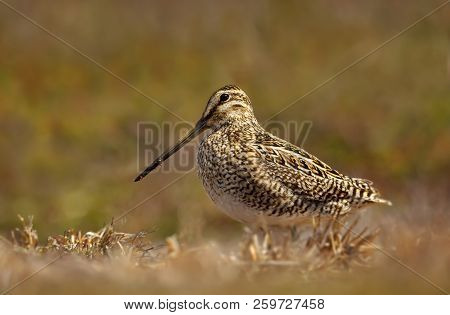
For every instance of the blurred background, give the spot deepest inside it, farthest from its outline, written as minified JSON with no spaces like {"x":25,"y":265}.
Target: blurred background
{"x":68,"y":130}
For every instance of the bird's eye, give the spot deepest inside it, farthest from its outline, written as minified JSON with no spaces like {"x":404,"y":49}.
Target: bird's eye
{"x":224,"y":97}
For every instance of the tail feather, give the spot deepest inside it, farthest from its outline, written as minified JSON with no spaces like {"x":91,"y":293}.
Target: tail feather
{"x":381,"y":200}
{"x":370,"y":193}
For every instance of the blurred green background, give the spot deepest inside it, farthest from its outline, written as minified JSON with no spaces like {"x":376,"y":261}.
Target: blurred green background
{"x":68,"y":129}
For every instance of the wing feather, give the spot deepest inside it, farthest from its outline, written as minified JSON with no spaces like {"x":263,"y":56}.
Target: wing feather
{"x":307,"y":176}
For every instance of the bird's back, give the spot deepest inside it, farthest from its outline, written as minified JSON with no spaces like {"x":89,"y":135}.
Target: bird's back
{"x":311,"y":179}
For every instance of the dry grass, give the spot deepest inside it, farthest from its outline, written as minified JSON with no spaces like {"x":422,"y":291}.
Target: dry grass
{"x":105,"y":243}
{"x":310,"y":251}
{"x":331,"y":245}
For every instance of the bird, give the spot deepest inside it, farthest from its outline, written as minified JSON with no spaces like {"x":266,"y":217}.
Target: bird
{"x":259,"y":179}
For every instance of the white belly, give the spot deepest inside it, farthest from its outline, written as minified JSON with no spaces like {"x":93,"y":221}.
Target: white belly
{"x":235,"y":209}
{"x":252,"y":217}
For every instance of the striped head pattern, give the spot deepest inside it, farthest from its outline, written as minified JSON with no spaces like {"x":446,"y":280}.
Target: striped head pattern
{"x":227,"y":103}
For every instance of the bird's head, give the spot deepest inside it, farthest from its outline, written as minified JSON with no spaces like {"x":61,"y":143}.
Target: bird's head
{"x":226,"y":104}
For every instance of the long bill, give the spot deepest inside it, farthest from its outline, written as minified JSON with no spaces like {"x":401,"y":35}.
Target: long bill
{"x":199,"y":128}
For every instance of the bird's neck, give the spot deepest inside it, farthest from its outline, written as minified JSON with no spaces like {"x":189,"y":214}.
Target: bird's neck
{"x":249,"y":122}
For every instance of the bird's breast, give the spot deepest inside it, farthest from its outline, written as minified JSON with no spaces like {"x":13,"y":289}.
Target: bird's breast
{"x":222,"y":167}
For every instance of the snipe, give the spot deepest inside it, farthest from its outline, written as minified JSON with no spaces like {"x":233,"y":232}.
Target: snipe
{"x":257,"y":178}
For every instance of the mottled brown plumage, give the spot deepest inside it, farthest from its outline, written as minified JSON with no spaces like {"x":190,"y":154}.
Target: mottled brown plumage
{"x":258,"y":178}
